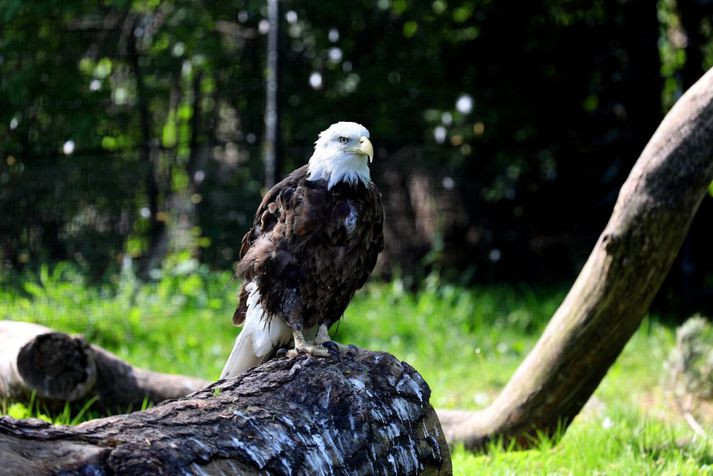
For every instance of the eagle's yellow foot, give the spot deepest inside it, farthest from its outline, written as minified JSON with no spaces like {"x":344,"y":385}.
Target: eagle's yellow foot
{"x":315,"y":350}
{"x":334,"y":347}
{"x":303,"y":347}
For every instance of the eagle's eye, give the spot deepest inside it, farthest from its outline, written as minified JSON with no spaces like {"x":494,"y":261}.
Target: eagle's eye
{"x":343,"y":140}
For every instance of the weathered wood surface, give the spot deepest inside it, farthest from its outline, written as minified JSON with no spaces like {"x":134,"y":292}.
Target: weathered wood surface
{"x":614,"y":289}
{"x":58,"y":368}
{"x":359,"y":413}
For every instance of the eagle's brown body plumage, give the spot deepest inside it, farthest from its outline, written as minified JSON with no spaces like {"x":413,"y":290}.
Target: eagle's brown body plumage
{"x":310,"y":249}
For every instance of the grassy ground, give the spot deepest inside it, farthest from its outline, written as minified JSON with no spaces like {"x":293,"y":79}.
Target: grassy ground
{"x":465,"y":342}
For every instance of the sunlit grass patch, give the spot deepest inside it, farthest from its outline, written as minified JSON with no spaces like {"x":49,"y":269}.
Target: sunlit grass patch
{"x":626,"y":443}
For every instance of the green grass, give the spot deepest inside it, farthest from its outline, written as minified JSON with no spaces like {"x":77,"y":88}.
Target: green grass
{"x":633,"y":445}
{"x":466,"y":342}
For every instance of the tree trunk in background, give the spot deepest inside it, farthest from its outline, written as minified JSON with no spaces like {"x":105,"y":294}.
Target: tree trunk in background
{"x":363,"y":413}
{"x":614,"y":289}
{"x":272,"y":96}
{"x":157,"y":232}
{"x":182,"y":203}
{"x":52,"y":368}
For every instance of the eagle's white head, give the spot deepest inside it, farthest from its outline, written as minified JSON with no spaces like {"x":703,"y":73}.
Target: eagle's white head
{"x":342,"y":154}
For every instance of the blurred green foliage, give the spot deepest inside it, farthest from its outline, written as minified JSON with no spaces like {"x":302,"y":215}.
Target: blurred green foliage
{"x":503,"y":129}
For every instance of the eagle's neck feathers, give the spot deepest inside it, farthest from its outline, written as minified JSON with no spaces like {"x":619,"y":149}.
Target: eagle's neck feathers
{"x":337,"y":166}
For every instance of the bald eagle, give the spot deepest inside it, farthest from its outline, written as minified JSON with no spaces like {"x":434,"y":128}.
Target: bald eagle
{"x":314,"y":242}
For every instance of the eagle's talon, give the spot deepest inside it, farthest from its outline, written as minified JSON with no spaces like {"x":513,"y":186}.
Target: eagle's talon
{"x":281,"y":352}
{"x":333,"y":348}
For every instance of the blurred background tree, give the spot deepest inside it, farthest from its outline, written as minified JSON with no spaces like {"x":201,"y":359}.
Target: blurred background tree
{"x":134,"y":130}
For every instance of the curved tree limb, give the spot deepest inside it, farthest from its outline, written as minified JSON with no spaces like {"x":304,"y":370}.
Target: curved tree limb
{"x":610,"y":297}
{"x":362,"y":413}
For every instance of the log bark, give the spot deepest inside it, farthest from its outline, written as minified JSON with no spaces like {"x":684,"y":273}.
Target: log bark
{"x":614,"y":289}
{"x":361,"y":413}
{"x":58,"y":368}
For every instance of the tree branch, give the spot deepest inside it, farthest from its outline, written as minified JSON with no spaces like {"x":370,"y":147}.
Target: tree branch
{"x":614,"y":289}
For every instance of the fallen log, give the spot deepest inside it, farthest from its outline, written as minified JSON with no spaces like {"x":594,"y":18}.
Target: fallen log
{"x":54,"y":368}
{"x":359,"y":413}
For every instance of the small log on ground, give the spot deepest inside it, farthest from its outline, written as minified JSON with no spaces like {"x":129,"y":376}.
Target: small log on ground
{"x":59,"y":368}
{"x":361,"y":413}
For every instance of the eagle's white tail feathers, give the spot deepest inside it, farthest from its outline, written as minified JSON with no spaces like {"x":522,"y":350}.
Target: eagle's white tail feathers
{"x":257,"y":340}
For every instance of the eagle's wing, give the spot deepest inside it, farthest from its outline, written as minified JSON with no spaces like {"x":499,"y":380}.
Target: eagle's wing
{"x":286,"y":216}
{"x":375,"y":243}
{"x":268,"y":212}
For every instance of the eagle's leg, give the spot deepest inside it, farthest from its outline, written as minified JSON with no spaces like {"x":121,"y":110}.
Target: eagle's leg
{"x":322,"y":335}
{"x":295,"y":320}
{"x":302,"y":346}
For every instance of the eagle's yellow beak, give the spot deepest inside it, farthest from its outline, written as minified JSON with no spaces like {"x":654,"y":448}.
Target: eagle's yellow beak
{"x":366,"y":148}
